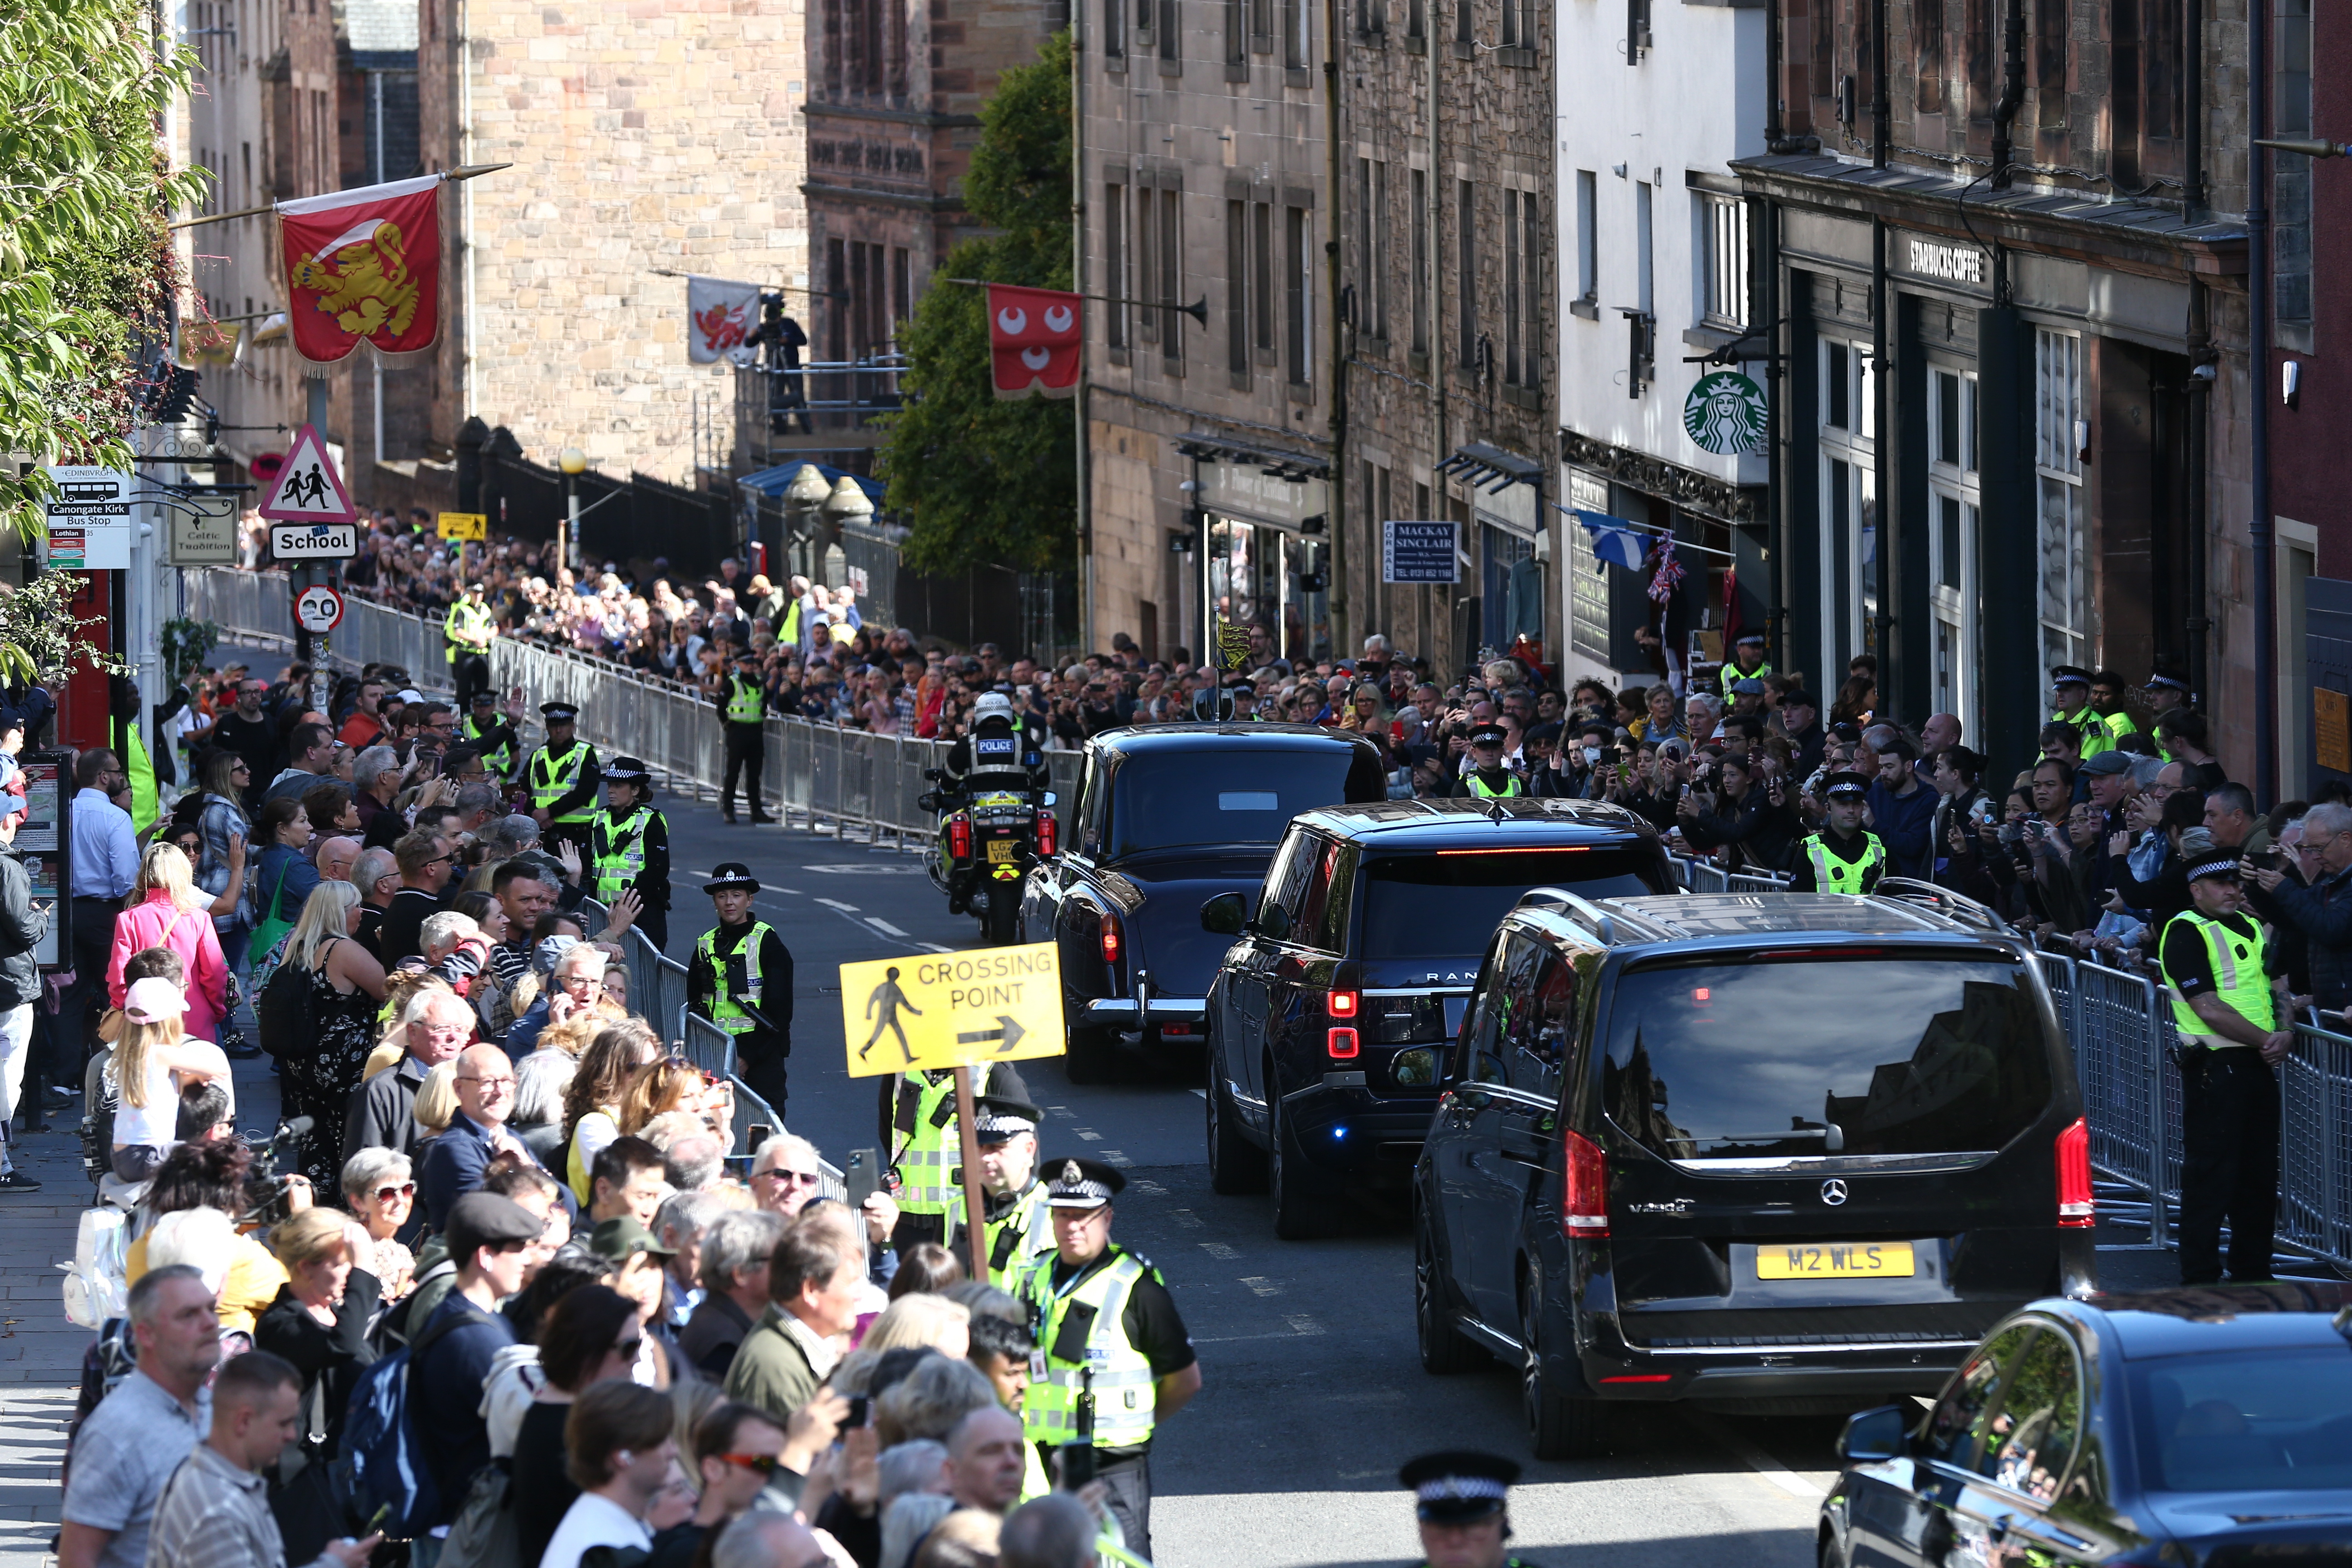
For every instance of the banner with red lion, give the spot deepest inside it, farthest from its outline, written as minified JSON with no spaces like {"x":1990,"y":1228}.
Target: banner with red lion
{"x":363,"y":264}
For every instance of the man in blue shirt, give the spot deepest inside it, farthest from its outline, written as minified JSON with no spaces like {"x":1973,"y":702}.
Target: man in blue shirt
{"x":490,"y":1237}
{"x":1902,"y":810}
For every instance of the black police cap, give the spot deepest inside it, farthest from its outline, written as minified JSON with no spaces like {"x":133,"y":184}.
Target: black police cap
{"x":1456,"y":1486}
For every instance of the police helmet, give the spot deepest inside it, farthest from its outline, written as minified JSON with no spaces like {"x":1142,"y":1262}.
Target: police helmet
{"x":993,"y":705}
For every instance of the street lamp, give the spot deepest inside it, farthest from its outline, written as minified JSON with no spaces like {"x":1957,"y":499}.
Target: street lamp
{"x":574,"y":462}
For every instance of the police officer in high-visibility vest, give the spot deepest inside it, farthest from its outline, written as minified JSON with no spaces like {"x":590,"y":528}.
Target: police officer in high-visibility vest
{"x":563,"y":778}
{"x":742,"y":980}
{"x":629,"y":848}
{"x":2070,"y":699}
{"x":1461,"y":1500}
{"x":1113,"y":1357}
{"x":742,"y":705}
{"x":2231,"y":1037}
{"x":468,"y":629}
{"x":493,"y":733}
{"x":920,"y":1126}
{"x":1844,"y":856}
{"x":1745,"y":663}
{"x":1016,"y":1232}
{"x":1488,"y":778}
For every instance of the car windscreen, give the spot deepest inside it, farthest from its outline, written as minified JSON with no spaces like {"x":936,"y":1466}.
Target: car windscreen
{"x":1237,"y":795}
{"x":1445,"y":903}
{"x":2260,"y":1421}
{"x":1770,"y":1059}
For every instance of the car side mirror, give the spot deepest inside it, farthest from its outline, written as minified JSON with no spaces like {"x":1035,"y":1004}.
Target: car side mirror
{"x":1222,"y":915}
{"x":1273,"y":924}
{"x":1874,"y":1436}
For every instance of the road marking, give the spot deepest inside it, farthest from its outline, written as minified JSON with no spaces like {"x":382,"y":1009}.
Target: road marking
{"x":1261,"y":1286}
{"x":837,"y":904}
{"x":1186,"y":1218}
{"x":1061,"y":1111}
{"x":1218,"y":1250}
{"x":885,"y":927}
{"x":1089,"y":1137}
{"x":1756,"y":1459}
{"x":794,"y":891}
{"x":1115,"y":1157}
{"x":933,"y":947}
{"x":1302,"y":1323}
{"x":1154,"y":1188}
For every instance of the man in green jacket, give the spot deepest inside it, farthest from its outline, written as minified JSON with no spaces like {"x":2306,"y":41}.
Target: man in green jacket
{"x":812,"y":1296}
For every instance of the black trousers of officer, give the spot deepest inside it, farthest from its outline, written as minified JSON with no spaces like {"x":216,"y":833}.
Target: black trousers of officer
{"x":655,"y":923}
{"x":747,"y":752}
{"x":2230,"y":1167}
{"x":760,"y":1064}
{"x":1130,"y":1481}
{"x":470,"y":672}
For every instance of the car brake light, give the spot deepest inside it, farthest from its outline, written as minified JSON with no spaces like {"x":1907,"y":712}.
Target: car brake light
{"x":1642,"y":1377}
{"x":960,"y":837}
{"x":1343,"y":1004}
{"x":1341,"y":1043}
{"x":1584,"y":1204}
{"x":1112,"y":943}
{"x":1048,"y":833}
{"x":2077,"y":1209}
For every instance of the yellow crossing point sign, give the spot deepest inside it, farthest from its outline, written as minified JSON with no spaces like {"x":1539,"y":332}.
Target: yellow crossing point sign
{"x":465,"y":525}
{"x":936,"y":1010}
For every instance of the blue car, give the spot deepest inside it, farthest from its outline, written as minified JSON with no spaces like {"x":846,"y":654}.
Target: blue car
{"x":2192,"y":1428}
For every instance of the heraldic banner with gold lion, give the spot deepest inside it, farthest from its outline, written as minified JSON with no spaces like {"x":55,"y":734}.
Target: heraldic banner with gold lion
{"x":365,"y":264}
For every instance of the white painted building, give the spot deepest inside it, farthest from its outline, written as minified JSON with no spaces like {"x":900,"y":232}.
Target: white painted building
{"x":1655,"y":100}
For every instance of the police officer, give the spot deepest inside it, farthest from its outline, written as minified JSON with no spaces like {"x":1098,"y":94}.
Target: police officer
{"x":1245,"y":701}
{"x":1015,"y":1229}
{"x":918,"y":1122}
{"x":563,"y":778}
{"x":1844,"y":856}
{"x":742,"y":980}
{"x":1461,"y":1499}
{"x":2230,"y":1038}
{"x":493,"y":734}
{"x":2070,"y":696}
{"x":1113,"y":1357}
{"x":1487,"y":778}
{"x":742,"y":705}
{"x":468,"y":629}
{"x":1005,"y":751}
{"x":629,"y":847}
{"x":1745,"y":663}
{"x":2167,"y":688}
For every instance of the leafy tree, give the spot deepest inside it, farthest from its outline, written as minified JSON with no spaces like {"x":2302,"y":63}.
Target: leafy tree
{"x":86,"y":263}
{"x":982,"y":481}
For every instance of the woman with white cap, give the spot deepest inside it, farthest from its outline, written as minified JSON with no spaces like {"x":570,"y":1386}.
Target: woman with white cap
{"x":152,"y":1062}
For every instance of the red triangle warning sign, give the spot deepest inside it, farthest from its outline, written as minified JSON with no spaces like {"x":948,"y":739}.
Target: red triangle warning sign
{"x":307,"y":489}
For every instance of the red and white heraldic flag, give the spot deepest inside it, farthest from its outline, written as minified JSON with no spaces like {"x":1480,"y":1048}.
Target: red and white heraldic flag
{"x":363,"y":264}
{"x":1034,"y":340}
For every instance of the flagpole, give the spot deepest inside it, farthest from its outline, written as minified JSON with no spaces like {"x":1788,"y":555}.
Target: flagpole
{"x":467,"y":173}
{"x":1198,"y":309}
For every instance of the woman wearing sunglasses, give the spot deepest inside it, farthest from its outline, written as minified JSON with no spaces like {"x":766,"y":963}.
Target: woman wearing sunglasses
{"x":380,"y":1190}
{"x":591,"y":1336}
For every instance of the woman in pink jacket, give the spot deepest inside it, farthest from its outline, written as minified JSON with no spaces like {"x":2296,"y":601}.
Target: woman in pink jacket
{"x":167,"y":910}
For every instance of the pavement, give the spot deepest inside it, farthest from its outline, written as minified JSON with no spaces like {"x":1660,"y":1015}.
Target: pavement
{"x":1312,"y":1393}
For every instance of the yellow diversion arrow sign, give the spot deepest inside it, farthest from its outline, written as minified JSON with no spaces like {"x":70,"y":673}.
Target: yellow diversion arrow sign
{"x":935,"y":1010}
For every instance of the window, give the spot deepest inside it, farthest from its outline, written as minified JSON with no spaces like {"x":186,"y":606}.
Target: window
{"x":1416,"y":18}
{"x":1419,"y":218}
{"x":1953,"y":501}
{"x":902,"y":289}
{"x":1261,"y":27}
{"x":2059,"y":434}
{"x":1371,"y":17}
{"x":1236,"y":36}
{"x":1115,"y":249}
{"x":1522,"y":268}
{"x":1171,"y":37}
{"x":1588,"y":237}
{"x":1262,"y":278}
{"x":1962,"y":1418}
{"x":1114,"y":29}
{"x":1146,"y":264}
{"x":898,"y":48}
{"x":1462,"y":21}
{"x":1237,"y":287}
{"x":1520,"y":25}
{"x":1645,"y":278}
{"x":1298,"y":287}
{"x":1373,"y":247}
{"x":1723,"y":254}
{"x":836,"y":314}
{"x":2031,"y":1442}
{"x":1171,"y":283}
{"x":837,"y":44}
{"x":1296,"y":19}
{"x":1849,"y":503}
{"x":2290,"y":177}
{"x":1465,"y":237}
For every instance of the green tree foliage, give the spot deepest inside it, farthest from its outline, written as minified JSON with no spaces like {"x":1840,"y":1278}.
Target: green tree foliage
{"x":982,"y":481}
{"x":85,"y":260}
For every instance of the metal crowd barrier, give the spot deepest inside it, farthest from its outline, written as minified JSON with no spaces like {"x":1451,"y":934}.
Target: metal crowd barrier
{"x":1699,"y":876}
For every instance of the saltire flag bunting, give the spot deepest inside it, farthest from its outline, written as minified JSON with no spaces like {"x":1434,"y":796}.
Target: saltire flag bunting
{"x":721,"y":315}
{"x":1033,"y":341}
{"x":363,"y":264}
{"x":1615,"y":541}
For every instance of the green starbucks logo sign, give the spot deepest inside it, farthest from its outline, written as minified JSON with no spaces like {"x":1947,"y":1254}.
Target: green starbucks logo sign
{"x":1725,"y":414}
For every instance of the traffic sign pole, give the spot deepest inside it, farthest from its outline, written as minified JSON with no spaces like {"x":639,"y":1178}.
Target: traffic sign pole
{"x":976,"y":1237}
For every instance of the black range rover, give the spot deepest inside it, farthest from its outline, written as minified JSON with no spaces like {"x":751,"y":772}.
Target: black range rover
{"x":1778,"y":1152}
{"x":1328,"y":1015}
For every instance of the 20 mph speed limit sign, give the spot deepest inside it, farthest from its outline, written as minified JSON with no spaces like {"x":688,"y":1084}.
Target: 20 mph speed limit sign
{"x":318,"y":608}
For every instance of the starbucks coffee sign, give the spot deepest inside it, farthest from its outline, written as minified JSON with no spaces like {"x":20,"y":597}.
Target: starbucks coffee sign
{"x":1725,"y":414}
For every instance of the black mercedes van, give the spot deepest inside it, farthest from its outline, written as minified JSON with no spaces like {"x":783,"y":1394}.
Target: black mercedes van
{"x":1781,"y":1151}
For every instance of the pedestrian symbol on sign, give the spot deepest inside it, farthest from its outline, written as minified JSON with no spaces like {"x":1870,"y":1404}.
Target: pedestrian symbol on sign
{"x":309,"y":489}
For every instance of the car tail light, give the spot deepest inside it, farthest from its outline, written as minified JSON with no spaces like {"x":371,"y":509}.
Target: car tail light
{"x":1048,"y":833}
{"x":1642,"y":1377}
{"x":1114,"y":941}
{"x":2075,"y":1208}
{"x":1343,"y":1004}
{"x":1584,"y":1206}
{"x":960,"y":837}
{"x":1341,"y":1042}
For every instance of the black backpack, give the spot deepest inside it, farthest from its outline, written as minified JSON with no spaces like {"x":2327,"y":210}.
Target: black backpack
{"x":282,"y":1015}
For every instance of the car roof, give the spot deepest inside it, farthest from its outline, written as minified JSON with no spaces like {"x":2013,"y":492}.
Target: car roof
{"x":2285,"y":1314}
{"x":1145,"y":740}
{"x":1518,"y":822}
{"x":1695,"y":915}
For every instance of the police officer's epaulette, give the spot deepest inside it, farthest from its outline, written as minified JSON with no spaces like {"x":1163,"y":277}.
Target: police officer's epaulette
{"x":1148,"y":1266}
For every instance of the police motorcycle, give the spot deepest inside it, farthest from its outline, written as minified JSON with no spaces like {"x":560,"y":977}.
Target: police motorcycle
{"x":996,"y":816}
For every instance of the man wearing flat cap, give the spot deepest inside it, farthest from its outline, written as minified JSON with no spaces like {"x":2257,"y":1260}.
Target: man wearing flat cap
{"x":742,"y":980}
{"x":1461,"y":1499}
{"x":628,"y":848}
{"x":1844,"y":856}
{"x":563,"y":778}
{"x":2230,"y":1040}
{"x":1017,"y":1231}
{"x":1486,"y":777}
{"x":1114,"y":1359}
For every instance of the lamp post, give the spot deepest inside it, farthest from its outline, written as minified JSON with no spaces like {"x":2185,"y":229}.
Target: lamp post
{"x":574,"y":462}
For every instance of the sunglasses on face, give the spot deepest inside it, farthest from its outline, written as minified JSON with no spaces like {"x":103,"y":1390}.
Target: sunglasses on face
{"x":796,"y":1178}
{"x":761,"y":1464}
{"x":405,"y":1189}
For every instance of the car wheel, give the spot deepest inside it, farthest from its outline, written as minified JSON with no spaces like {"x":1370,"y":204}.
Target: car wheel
{"x":1088,"y":1058}
{"x":1558,"y":1427}
{"x":1830,"y":1555}
{"x":1302,"y":1211}
{"x":1443,"y":1351}
{"x":1236,"y":1165}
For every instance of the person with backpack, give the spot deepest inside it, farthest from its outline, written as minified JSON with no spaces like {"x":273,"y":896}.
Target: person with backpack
{"x":317,"y":1017}
{"x":127,"y":1449}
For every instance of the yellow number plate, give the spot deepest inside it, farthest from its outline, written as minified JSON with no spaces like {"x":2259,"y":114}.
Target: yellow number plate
{"x":1002,"y":849}
{"x":1836,"y":1260}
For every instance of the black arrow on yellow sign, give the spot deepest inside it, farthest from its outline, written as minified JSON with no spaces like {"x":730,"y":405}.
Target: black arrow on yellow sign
{"x":1007,"y":1030}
